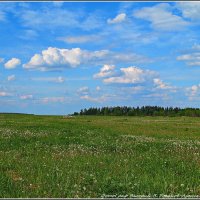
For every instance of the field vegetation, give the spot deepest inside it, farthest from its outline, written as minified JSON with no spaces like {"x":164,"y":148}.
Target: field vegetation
{"x":99,"y":156}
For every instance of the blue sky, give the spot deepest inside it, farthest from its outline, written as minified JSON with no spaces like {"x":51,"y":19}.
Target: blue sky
{"x":57,"y":58}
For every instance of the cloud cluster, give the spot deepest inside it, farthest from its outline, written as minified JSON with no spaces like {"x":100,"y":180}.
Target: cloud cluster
{"x":135,"y":81}
{"x":127,"y":75}
{"x":55,"y":58}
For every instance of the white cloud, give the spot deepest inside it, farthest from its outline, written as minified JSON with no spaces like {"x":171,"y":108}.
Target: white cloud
{"x":136,"y":89}
{"x":157,"y":96}
{"x":118,"y":19}
{"x":83,"y":90}
{"x":2,"y":16}
{"x":126,"y":57}
{"x":53,"y":100}
{"x":55,"y":58}
{"x":161,"y":17}
{"x":58,"y":3}
{"x":100,"y":99}
{"x":79,"y":39}
{"x":161,"y":85}
{"x":192,"y":59}
{"x":12,"y":63}
{"x":131,"y":75}
{"x":58,"y":17}
{"x":1,"y":60}
{"x":59,"y":79}
{"x":11,"y":77}
{"x":189,"y":9}
{"x":196,"y":47}
{"x":48,"y":18}
{"x":26,"y":97}
{"x":105,"y":71}
{"x":193,"y":92}
{"x":4,"y":94}
{"x":28,"y":34}
{"x":93,"y":20}
{"x":98,"y":88}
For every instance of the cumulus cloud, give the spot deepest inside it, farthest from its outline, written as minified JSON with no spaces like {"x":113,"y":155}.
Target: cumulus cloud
{"x":11,"y":77}
{"x":55,"y":58}
{"x":26,"y":97}
{"x":12,"y":63}
{"x":106,"y":70}
{"x":134,"y":80}
{"x":118,"y":19}
{"x":161,"y":17}
{"x":131,"y":75}
{"x":190,"y":9}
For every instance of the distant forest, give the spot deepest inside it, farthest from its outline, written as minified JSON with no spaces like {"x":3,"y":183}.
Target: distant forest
{"x":141,"y":111}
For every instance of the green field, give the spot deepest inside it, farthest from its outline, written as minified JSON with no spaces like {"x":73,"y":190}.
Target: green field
{"x":98,"y":156}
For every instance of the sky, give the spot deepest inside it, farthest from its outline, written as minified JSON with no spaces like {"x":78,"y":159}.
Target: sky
{"x":59,"y":57}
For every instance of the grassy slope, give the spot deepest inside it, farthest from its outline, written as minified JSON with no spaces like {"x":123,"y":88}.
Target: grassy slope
{"x":49,"y":156}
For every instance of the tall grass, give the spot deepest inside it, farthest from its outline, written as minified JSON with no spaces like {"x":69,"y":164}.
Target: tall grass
{"x":52,"y":156}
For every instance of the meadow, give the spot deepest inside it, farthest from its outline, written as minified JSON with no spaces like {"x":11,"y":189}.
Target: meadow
{"x":99,"y":156}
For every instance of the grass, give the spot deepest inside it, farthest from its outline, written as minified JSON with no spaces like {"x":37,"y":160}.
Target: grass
{"x":97,"y":156}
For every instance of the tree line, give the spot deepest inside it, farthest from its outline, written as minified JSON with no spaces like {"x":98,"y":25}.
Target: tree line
{"x":140,"y":111}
